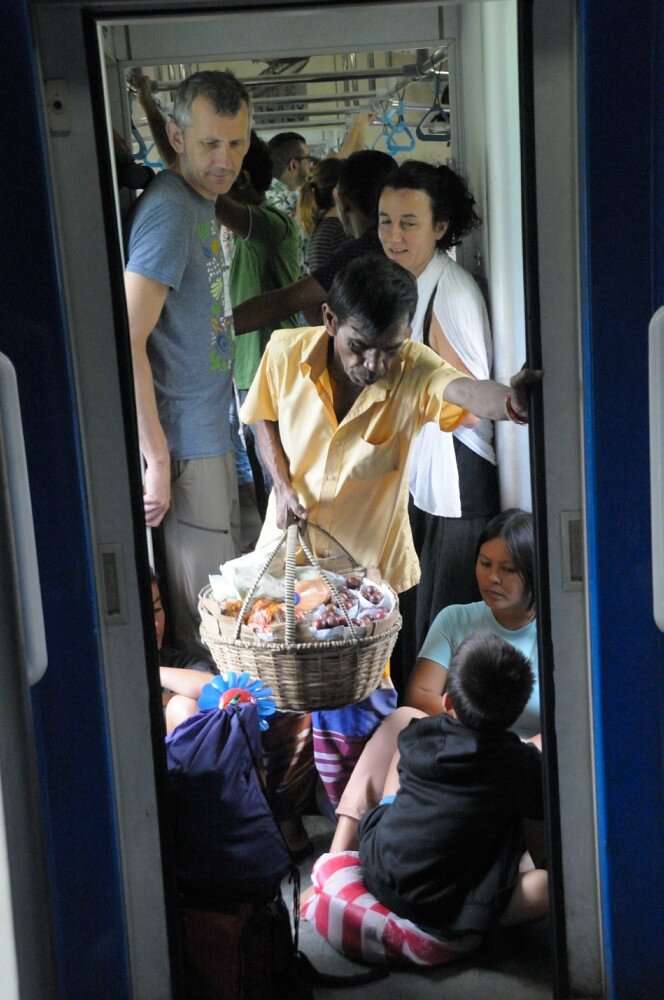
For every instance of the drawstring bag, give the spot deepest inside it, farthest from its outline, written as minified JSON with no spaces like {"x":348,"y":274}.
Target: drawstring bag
{"x":231,"y":858}
{"x":228,"y":845}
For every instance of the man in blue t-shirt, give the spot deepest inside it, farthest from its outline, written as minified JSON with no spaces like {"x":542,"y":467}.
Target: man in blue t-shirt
{"x":182,"y":337}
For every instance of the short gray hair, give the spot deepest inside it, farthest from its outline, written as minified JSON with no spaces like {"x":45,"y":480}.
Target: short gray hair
{"x":222,"y":89}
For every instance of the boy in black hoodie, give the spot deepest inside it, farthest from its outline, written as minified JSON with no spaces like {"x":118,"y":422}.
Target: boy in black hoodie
{"x":444,"y":847}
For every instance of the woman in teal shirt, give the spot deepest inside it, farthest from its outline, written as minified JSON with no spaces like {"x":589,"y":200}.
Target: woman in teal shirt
{"x":504,"y":570}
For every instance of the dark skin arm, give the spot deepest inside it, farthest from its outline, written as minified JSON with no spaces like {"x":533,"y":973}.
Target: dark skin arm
{"x":485,"y":398}
{"x":305,"y":295}
{"x":155,"y":119}
{"x":234,"y":216}
{"x":425,"y":686}
{"x":289,"y":508}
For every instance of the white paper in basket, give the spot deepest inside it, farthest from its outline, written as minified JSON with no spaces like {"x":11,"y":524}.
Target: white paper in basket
{"x":238,"y":575}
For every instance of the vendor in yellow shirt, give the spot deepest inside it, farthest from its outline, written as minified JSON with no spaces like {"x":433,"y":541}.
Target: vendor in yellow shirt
{"x":336,"y":408}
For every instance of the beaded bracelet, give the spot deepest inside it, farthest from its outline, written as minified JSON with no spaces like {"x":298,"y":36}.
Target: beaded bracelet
{"x":511,"y":412}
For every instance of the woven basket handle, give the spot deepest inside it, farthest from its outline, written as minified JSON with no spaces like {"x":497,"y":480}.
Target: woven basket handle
{"x":327,"y":576}
{"x":311,"y":524}
{"x":252,"y":590}
{"x":291,"y":536}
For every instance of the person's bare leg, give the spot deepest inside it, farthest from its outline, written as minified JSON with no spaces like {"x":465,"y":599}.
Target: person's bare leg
{"x":365,"y":786}
{"x":530,"y":899}
{"x":391,"y":786}
{"x":178,"y":709}
{"x":526,"y":864}
{"x":345,"y":835}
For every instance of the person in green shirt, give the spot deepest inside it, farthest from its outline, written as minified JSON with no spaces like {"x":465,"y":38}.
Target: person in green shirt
{"x":265,"y":257}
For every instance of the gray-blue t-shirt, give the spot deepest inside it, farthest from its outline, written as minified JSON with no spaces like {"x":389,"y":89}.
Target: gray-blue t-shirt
{"x":174,"y":239}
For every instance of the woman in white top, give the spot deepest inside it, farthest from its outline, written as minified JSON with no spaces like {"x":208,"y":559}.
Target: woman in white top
{"x":424,"y":211}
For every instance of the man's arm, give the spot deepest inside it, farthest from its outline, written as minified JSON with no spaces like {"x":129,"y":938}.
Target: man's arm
{"x":145,"y":301}
{"x":305,"y":295}
{"x":233,"y":216}
{"x":155,"y":118}
{"x":490,"y":399}
{"x":289,"y":508}
{"x":354,"y":138}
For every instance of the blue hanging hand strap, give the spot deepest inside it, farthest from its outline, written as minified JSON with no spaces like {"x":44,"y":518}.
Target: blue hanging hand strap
{"x":144,"y":151}
{"x":142,"y":148}
{"x":400,"y":139}
{"x":385,"y":120}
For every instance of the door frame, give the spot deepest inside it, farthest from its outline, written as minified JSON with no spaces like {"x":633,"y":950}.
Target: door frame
{"x":547,"y":500}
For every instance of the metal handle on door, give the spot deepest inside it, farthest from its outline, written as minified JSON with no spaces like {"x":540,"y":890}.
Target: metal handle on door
{"x":14,"y":479}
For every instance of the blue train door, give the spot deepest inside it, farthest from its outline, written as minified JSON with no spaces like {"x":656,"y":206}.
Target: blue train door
{"x":621,"y":51}
{"x":81,"y":877}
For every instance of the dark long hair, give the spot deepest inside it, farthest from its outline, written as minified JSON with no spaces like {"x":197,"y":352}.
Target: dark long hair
{"x":450,"y":199}
{"x":515,"y":526}
{"x":361,"y":179}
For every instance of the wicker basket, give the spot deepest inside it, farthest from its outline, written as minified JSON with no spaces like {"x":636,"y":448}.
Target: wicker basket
{"x":304,"y":675}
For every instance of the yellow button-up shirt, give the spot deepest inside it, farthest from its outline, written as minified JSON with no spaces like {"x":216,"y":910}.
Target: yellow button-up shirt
{"x":351,"y":476}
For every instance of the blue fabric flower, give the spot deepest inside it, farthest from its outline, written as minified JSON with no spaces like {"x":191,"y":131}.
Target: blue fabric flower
{"x":213,"y":692}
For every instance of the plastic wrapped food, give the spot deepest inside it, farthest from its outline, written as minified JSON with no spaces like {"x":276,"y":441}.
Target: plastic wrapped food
{"x":330,"y":617}
{"x":346,"y":598}
{"x":264,"y":614}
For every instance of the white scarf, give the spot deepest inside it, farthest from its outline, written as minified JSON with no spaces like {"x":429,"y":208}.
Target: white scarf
{"x":460,"y":310}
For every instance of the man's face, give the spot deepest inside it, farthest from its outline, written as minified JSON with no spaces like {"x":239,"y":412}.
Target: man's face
{"x":303,"y":164}
{"x":365,"y":359}
{"x":211,"y":149}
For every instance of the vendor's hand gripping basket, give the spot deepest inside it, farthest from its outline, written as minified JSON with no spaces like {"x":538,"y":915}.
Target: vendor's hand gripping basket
{"x":304,"y":675}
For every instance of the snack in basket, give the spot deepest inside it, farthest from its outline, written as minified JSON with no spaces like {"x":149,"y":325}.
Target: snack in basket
{"x":231,"y":608}
{"x":376,"y":614}
{"x":326,"y":661}
{"x":346,"y":598}
{"x":264,"y":614}
{"x":330,"y":618}
{"x":372,"y":594}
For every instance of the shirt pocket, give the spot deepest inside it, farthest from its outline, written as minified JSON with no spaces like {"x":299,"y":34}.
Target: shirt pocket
{"x":374,"y":460}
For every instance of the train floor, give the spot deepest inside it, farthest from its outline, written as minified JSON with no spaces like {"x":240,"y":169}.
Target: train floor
{"x":514,"y":964}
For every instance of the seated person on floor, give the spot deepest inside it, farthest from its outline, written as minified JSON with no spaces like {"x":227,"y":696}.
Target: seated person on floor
{"x":465,"y":784}
{"x":194,"y":660}
{"x":185,"y":687}
{"x":505,"y":573}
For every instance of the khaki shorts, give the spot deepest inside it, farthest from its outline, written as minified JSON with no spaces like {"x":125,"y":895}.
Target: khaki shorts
{"x":201,"y":531}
